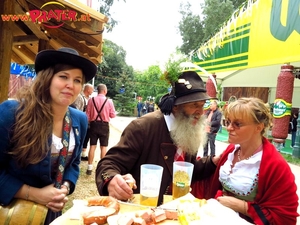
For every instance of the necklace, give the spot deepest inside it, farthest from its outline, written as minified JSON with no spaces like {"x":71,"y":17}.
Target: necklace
{"x":257,"y":150}
{"x":239,"y":158}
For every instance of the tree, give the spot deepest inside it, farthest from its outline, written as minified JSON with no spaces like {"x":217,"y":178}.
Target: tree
{"x":237,"y":3}
{"x":190,"y":29}
{"x":105,"y":9}
{"x":124,"y":101}
{"x":150,"y":83}
{"x":112,"y":66}
{"x":215,"y":13}
{"x":195,"y":31}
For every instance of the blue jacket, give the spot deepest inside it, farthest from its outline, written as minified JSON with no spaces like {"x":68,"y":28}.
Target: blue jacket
{"x":37,"y":175}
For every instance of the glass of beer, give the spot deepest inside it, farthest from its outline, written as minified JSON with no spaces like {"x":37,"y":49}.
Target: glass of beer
{"x":150,"y":184}
{"x":182,"y":177}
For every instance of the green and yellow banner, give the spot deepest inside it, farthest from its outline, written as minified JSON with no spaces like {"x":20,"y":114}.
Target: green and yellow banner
{"x":261,"y":33}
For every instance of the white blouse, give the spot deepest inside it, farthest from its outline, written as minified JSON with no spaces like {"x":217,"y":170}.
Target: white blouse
{"x":243,"y":177}
{"x":57,"y":145}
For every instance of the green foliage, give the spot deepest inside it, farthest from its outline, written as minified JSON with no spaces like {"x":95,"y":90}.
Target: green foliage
{"x":149,"y":83}
{"x":238,"y":3}
{"x":190,"y":28}
{"x":194,"y":31}
{"x":112,"y":66}
{"x":291,"y":159}
{"x":173,"y":69}
{"x":125,"y":103}
{"x":105,"y":10}
{"x":215,"y":13}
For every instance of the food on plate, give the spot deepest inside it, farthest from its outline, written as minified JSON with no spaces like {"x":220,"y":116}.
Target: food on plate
{"x":99,"y":216}
{"x":158,"y":215}
{"x":143,"y":217}
{"x":189,"y":211}
{"x":138,"y":221}
{"x":125,"y":220}
{"x":171,"y":214}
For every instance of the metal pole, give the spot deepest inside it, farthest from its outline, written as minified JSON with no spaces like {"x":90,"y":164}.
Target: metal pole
{"x":296,"y":149}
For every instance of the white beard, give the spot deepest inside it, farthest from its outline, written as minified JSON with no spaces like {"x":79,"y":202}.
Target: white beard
{"x":186,"y":135}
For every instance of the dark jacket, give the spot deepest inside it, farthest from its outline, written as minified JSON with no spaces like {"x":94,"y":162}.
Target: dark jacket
{"x":146,"y":140}
{"x":293,"y":124}
{"x":215,"y":122}
{"x":37,"y":175}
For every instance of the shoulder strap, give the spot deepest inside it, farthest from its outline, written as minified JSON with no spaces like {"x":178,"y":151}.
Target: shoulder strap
{"x":99,"y":111}
{"x":83,"y":99}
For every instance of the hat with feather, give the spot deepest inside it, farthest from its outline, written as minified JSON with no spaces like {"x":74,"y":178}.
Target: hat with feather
{"x":188,"y":88}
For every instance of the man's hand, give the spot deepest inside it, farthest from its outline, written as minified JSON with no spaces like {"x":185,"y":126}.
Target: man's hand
{"x":216,"y":159}
{"x":120,"y":187}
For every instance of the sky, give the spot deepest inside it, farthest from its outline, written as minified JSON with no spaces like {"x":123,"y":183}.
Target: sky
{"x":147,"y":30}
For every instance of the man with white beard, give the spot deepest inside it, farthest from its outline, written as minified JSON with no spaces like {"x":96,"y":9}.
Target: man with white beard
{"x":173,"y":133}
{"x":187,"y":132}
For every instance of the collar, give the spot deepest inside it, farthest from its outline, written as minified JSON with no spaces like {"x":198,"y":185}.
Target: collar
{"x":169,"y":120}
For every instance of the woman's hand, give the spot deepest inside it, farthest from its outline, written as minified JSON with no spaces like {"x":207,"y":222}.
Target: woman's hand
{"x":235,"y":204}
{"x":119,"y":187}
{"x":51,"y":197}
{"x":58,"y":202}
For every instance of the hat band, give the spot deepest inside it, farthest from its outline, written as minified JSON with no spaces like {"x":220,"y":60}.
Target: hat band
{"x":190,"y":92}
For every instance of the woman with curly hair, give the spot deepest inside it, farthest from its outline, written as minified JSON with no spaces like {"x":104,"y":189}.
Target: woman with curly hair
{"x":37,"y":125}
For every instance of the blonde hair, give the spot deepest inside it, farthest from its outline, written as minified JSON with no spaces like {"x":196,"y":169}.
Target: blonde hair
{"x":252,"y":109}
{"x":34,"y":119}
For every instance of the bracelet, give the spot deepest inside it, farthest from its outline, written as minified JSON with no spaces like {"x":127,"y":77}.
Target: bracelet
{"x":27,"y":194}
{"x":67,"y":185}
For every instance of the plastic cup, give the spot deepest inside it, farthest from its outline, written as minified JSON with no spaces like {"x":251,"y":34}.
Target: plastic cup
{"x":182,"y":177}
{"x":150,"y":184}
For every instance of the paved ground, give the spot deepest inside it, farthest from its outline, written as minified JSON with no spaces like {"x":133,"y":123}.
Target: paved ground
{"x":119,"y":123}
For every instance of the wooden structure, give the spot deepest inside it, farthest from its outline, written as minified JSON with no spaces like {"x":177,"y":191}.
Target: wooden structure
{"x":29,"y":26}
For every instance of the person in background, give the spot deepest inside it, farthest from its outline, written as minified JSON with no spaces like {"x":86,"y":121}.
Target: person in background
{"x":144,"y":109}
{"x":99,"y":112}
{"x":81,"y":103}
{"x":139,"y":107}
{"x":293,"y":127}
{"x":147,"y":103}
{"x":173,"y":133}
{"x":214,"y":117}
{"x":82,"y":99}
{"x":151,"y":106}
{"x":252,"y":177}
{"x":31,"y":132}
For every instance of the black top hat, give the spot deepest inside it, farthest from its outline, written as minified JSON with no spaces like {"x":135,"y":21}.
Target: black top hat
{"x":46,"y":58}
{"x":188,"y":88}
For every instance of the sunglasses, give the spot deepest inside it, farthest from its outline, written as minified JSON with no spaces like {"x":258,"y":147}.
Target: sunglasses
{"x":234,"y":124}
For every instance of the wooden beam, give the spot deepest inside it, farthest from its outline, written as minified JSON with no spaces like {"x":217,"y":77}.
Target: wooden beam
{"x":72,"y":42}
{"x":6,"y":40}
{"x":43,"y":45}
{"x":35,"y":28}
{"x":16,"y":58}
{"x":25,"y":53}
{"x":91,"y":40}
{"x":24,"y":39}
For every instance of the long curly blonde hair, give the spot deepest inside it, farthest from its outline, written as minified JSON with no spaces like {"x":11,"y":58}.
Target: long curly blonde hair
{"x":34,"y":119}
